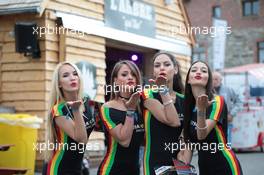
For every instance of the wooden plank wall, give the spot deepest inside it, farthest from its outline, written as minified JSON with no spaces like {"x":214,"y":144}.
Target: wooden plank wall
{"x":25,"y":82}
{"x":88,"y":48}
{"x":1,"y":54}
{"x":169,"y":20}
{"x":87,"y":8}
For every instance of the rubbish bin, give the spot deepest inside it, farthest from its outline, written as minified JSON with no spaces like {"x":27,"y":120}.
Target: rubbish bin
{"x":19,"y":130}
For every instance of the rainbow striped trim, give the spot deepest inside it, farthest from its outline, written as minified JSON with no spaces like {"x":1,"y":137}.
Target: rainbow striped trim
{"x":57,"y":109}
{"x":147,"y":117}
{"x":179,"y":95}
{"x":53,"y":165}
{"x":106,"y":118}
{"x":147,"y":93}
{"x":109,"y":157}
{"x":57,"y":157}
{"x":217,"y":108}
{"x":228,"y":154}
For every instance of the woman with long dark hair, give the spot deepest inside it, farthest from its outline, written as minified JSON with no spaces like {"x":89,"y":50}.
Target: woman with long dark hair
{"x":163,"y":114}
{"x":205,"y":124}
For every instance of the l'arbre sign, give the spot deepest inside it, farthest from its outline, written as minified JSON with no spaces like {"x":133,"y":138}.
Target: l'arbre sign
{"x":131,"y":16}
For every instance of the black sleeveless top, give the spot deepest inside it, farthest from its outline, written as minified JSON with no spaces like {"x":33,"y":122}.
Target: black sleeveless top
{"x":215,"y":156}
{"x":161,"y":140}
{"x":118,"y":159}
{"x":68,"y":159}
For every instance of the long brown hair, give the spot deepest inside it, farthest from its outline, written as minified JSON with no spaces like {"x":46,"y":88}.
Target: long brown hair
{"x":134,"y":69}
{"x":189,"y":101}
{"x":177,"y":78}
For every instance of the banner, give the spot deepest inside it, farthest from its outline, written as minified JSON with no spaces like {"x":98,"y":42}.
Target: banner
{"x":219,"y":43}
{"x":246,"y":128}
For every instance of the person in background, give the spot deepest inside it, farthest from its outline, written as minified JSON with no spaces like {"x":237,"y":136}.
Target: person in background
{"x":231,"y":98}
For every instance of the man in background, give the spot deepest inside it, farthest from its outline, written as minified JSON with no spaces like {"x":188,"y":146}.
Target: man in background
{"x":231,"y":99}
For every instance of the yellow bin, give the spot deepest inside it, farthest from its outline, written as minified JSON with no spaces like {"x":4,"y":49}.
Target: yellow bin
{"x":21,"y":131}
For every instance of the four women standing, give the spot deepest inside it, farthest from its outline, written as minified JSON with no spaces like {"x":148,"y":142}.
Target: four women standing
{"x":160,"y":115}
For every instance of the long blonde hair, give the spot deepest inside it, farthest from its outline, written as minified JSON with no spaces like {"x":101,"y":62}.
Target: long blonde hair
{"x":56,"y":96}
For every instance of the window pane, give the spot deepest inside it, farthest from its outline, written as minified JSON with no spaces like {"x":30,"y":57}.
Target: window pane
{"x":195,"y":57}
{"x":261,"y":56}
{"x":217,"y":12}
{"x":255,"y":8}
{"x":202,"y":56}
{"x":261,"y":45}
{"x":247,"y":8}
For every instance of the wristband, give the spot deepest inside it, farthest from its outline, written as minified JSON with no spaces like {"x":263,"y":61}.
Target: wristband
{"x":164,"y":91}
{"x":168,"y":102}
{"x":130,"y":113}
{"x":201,"y":113}
{"x":202,"y":128}
{"x":75,"y":109}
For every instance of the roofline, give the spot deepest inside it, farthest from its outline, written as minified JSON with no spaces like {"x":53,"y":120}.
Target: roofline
{"x":34,"y":9}
{"x":187,"y":21}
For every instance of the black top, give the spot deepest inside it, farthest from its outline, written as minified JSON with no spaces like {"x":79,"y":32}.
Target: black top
{"x":215,"y":154}
{"x":118,"y":159}
{"x":161,"y":140}
{"x":68,"y":159}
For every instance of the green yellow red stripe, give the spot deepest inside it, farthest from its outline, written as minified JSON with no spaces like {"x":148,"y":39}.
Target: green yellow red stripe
{"x":106,"y":118}
{"x":57,"y":110}
{"x":217,"y":107}
{"x":62,"y":138}
{"x":179,"y":95}
{"x":109,"y":158}
{"x":147,"y":93}
{"x":228,"y":154}
{"x":147,"y":116}
{"x":56,"y":159}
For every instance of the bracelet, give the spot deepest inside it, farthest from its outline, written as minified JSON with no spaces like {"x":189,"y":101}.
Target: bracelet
{"x":202,"y":128}
{"x":201,"y":113}
{"x":75,"y":109}
{"x":168,"y":102}
{"x":130,"y":113}
{"x":164,"y":91}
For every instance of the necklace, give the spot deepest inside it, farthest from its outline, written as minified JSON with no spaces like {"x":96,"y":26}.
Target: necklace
{"x":126,"y":98}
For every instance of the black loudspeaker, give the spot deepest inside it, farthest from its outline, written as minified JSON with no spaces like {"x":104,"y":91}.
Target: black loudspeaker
{"x":26,"y":37}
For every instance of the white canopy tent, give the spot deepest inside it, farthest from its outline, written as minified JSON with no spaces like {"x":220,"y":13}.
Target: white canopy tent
{"x":242,"y":78}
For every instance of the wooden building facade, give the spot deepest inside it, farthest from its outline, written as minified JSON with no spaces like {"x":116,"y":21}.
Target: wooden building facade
{"x":25,"y":82}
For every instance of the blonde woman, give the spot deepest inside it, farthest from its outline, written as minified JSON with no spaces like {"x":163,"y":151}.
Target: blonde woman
{"x":69,"y":122}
